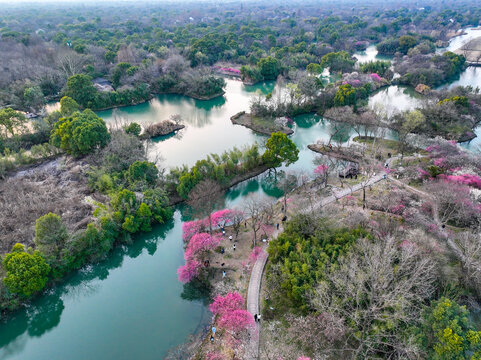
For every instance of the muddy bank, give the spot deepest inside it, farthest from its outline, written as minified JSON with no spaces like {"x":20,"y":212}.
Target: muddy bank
{"x":260,"y":125}
{"x":336,"y":153}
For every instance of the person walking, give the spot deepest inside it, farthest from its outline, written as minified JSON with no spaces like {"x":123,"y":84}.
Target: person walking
{"x":277,"y":225}
{"x":223,"y":274}
{"x":259,"y":318}
{"x":234,"y":247}
{"x":255,"y":317}
{"x":230,"y":237}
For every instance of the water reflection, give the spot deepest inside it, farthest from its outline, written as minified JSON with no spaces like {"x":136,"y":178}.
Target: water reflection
{"x":394,"y":99}
{"x":370,"y":54}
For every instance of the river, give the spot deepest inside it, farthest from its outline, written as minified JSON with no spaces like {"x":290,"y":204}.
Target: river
{"x":130,"y":305}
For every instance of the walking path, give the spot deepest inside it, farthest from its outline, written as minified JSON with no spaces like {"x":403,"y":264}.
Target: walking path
{"x":253,"y":300}
{"x":258,"y":269}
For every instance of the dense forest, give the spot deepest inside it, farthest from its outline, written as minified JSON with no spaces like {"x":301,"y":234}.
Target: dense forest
{"x":166,"y":48}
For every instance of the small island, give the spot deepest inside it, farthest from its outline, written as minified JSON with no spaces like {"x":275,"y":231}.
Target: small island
{"x":262,"y":125}
{"x":162,"y":128}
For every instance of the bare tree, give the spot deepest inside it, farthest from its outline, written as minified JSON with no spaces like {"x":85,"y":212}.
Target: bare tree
{"x":204,"y":198}
{"x":377,"y":283}
{"x":470,"y":245}
{"x":255,"y":214}
{"x":237,"y":218}
{"x":70,"y":62}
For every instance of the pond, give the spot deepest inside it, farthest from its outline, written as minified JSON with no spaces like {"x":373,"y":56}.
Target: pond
{"x":370,"y":54}
{"x":130,"y":305}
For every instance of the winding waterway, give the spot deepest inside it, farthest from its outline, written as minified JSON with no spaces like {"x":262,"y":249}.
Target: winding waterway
{"x":130,"y":306}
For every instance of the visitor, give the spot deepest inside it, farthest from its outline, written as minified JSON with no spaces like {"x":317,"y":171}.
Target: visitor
{"x":223,"y":274}
{"x":222,"y":250}
{"x":255,"y":317}
{"x":211,"y":338}
{"x":223,"y":232}
{"x":230,"y":237}
{"x":214,"y":330}
{"x":234,"y":247}
{"x":277,"y":225}
{"x":259,"y":318}
{"x":222,"y":229}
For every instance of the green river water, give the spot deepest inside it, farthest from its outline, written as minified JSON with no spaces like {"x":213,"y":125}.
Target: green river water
{"x":129,"y":306}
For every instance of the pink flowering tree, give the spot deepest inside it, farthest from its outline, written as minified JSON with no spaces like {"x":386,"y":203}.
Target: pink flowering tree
{"x":466,"y":179}
{"x":199,"y":244}
{"x":189,"y":271}
{"x":236,"y":321}
{"x":190,"y":228}
{"x":375,"y":77}
{"x":255,"y":254}
{"x":322,"y":173}
{"x":222,"y":218}
{"x":223,"y":304}
{"x":230,"y":314}
{"x":303,"y":358}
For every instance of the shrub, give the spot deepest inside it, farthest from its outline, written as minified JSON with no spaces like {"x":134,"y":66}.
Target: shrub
{"x":80,"y":133}
{"x":27,"y":272}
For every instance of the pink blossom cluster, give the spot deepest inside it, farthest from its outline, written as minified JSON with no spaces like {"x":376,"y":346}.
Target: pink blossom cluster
{"x":214,"y":356}
{"x":189,"y":271}
{"x":190,"y":228}
{"x":466,"y":179}
{"x":231,"y":315}
{"x":354,"y":83}
{"x":321,"y":169}
{"x":236,"y":71}
{"x":200,"y":243}
{"x":196,"y":247}
{"x":398,"y":209}
{"x":223,"y":217}
{"x":255,"y":254}
{"x":303,"y":358}
{"x":375,"y":77}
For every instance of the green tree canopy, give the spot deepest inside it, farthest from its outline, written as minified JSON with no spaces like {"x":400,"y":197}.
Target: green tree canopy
{"x":27,"y":272}
{"x":269,"y":67}
{"x":448,"y":333}
{"x":81,"y":89}
{"x":133,"y":128}
{"x":50,"y":234}
{"x":80,"y":133}
{"x":11,"y":122}
{"x":33,"y":97}
{"x":280,"y":149}
{"x":143,"y":171}
{"x":346,"y":95}
{"x":68,"y":106}
{"x":338,"y":61}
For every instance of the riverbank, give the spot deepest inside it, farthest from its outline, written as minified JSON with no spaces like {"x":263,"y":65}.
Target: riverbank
{"x":175,"y":199}
{"x":471,"y":51}
{"x":261,"y":125}
{"x":337,"y":153}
